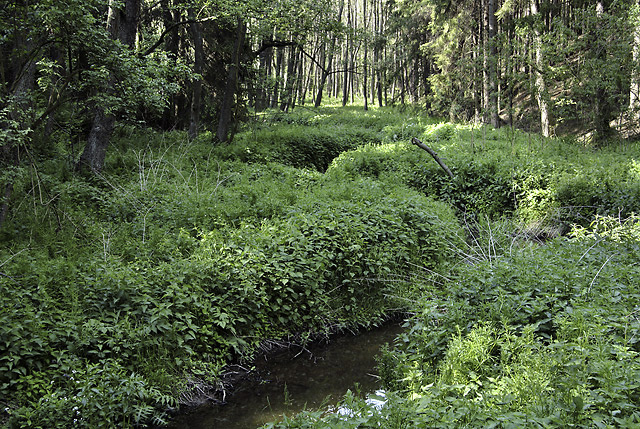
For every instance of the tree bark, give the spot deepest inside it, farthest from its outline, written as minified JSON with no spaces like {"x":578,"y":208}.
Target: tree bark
{"x":602,"y":107}
{"x":290,"y":81}
{"x":364,"y":57}
{"x":327,"y":69}
{"x":196,"y":93}
{"x":264,"y":69}
{"x":347,"y":52}
{"x":122,"y":24}
{"x":18,"y":81}
{"x":634,"y":92}
{"x":493,"y":50}
{"x":96,"y":148}
{"x":489,"y":65}
{"x":435,"y":156}
{"x":541,"y":87}
{"x":226,"y":109}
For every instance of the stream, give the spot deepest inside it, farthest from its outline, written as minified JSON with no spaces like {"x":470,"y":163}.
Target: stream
{"x":287,"y":384}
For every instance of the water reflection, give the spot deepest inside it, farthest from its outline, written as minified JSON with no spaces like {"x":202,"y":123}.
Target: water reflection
{"x":289,"y":384}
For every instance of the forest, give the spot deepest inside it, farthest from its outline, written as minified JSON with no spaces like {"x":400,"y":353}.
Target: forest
{"x":184,"y":183}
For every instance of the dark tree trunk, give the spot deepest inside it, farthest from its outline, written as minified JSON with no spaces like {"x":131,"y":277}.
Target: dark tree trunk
{"x":275,"y":98}
{"x":122,"y":24}
{"x":322,"y":79}
{"x":426,"y":83}
{"x":603,"y":109}
{"x":290,"y":82}
{"x":540,"y":84}
{"x":634,"y":88}
{"x":262,"y":98}
{"x":347,"y":51}
{"x":169,"y":18}
{"x":364,"y":58}
{"x":4,"y":207}
{"x":493,"y":84}
{"x":489,"y":72}
{"x":226,"y":109}
{"x":17,"y":78}
{"x":299,"y":79}
{"x":196,"y":94}
{"x":96,"y":148}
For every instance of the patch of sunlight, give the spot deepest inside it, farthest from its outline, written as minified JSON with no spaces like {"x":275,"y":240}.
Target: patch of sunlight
{"x":634,"y":169}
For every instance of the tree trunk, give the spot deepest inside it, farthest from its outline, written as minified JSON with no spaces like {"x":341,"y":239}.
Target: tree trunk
{"x":602,"y":107}
{"x":327,"y":69}
{"x":476,"y":89}
{"x":169,"y":18}
{"x":96,"y":148}
{"x":275,"y":98}
{"x":364,"y":57}
{"x":196,"y":94}
{"x":290,"y":81}
{"x":226,"y":109}
{"x":263,"y":98}
{"x":19,"y":111}
{"x":122,"y":24}
{"x":541,"y":87}
{"x":634,"y":92}
{"x":347,"y":52}
{"x":490,"y":52}
{"x":297,"y":93}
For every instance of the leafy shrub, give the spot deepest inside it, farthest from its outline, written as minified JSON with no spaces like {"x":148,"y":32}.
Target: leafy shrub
{"x":502,"y":172}
{"x":334,"y":256}
{"x":296,"y":146}
{"x":96,"y":395}
{"x":534,"y":337}
{"x":179,"y":286}
{"x":182,"y":257}
{"x":539,"y":336}
{"x":478,"y":187}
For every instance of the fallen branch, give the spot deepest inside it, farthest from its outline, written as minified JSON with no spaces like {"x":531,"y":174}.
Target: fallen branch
{"x":421,"y":145}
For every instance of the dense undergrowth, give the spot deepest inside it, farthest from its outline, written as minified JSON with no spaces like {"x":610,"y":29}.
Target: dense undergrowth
{"x":512,"y":332}
{"x":183,"y":257}
{"x":525,"y":336}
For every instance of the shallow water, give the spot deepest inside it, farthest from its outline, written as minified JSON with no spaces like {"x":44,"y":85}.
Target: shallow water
{"x":286,"y":384}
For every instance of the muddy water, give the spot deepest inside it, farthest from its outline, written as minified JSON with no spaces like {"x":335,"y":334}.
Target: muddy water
{"x":286,"y":383}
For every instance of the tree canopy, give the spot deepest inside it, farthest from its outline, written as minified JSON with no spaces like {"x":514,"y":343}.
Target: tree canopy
{"x":70,"y":70}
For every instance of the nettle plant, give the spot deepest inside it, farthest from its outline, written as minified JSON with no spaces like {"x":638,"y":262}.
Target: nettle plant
{"x":539,"y":336}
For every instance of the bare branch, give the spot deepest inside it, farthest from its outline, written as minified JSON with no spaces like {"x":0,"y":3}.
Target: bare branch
{"x":421,"y":145}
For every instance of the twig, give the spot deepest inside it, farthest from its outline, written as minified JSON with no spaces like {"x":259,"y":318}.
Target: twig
{"x":596,"y":276}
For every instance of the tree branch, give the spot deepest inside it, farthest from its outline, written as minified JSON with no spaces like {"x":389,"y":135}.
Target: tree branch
{"x":168,"y":30}
{"x":421,"y":145}
{"x":274,"y":44}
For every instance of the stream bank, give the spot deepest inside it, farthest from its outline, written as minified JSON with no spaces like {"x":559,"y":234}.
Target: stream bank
{"x":290,"y":381}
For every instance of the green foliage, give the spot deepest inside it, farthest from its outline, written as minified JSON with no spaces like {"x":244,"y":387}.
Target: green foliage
{"x":300,"y":146}
{"x":94,"y":395}
{"x":174,"y":262}
{"x":541,"y":336}
{"x":504,"y":172}
{"x":595,"y":89}
{"x":181,"y":258}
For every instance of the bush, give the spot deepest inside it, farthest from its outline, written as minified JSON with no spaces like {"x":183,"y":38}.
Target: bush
{"x":96,"y":395}
{"x":164,"y":293}
{"x":539,"y":336}
{"x":296,"y":146}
